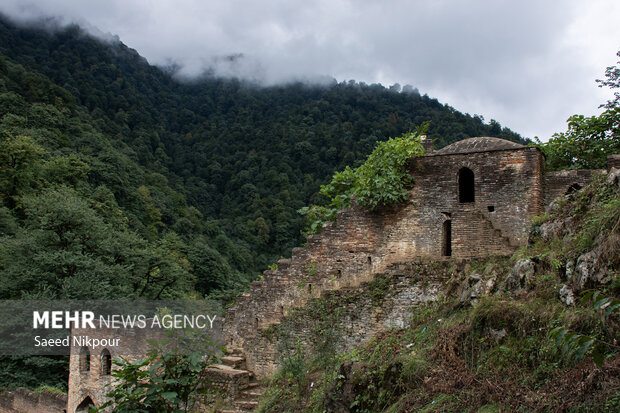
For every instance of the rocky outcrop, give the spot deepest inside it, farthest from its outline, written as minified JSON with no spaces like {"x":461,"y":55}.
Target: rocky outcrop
{"x":520,"y":277}
{"x":567,"y":296}
{"x":475,"y":287}
{"x":613,"y":177}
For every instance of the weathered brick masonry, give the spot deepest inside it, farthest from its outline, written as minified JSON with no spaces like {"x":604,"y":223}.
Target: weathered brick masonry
{"x":558,"y":183}
{"x":474,"y":198}
{"x":90,"y":368}
{"x":349,"y":317}
{"x":23,"y":400}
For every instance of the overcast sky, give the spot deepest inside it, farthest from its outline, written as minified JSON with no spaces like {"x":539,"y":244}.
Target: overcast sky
{"x":529,"y":64}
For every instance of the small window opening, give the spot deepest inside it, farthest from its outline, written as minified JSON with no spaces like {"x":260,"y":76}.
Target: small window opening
{"x":339,"y":273}
{"x":446,"y":248}
{"x":369,"y":260}
{"x":573,"y":188}
{"x":106,"y":362}
{"x":84,"y":359}
{"x":467,"y":192}
{"x":309,"y":288}
{"x":491,"y":208}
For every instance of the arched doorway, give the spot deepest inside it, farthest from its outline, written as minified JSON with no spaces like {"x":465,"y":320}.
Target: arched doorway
{"x":83,"y":407}
{"x":467,"y":189}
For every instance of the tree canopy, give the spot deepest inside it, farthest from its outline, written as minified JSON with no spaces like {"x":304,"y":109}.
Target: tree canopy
{"x":588,"y":140}
{"x":117,"y":179}
{"x":381,"y":181}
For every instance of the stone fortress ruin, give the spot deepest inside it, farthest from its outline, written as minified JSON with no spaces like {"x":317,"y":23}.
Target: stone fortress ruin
{"x":474,"y":198}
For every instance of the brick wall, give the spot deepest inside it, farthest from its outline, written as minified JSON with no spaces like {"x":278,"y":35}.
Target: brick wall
{"x":92,"y":382}
{"x":27,"y":401}
{"x":508,"y":192}
{"x":559,"y":183}
{"x":508,"y":189}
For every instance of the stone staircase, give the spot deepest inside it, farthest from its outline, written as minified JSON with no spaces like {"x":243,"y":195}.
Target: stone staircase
{"x":498,"y":233}
{"x":347,"y":253}
{"x":239,"y":383}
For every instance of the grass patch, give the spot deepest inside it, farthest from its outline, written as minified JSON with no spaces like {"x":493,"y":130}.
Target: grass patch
{"x":50,"y":390}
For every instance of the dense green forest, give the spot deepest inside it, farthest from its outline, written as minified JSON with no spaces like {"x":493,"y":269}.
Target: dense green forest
{"x":246,"y":157}
{"x":119,"y":180}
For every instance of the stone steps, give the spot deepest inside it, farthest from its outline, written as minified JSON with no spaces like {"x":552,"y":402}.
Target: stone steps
{"x":498,"y":233}
{"x":233,"y":377}
{"x":246,"y":405}
{"x":229,"y":379}
{"x":236,"y":362}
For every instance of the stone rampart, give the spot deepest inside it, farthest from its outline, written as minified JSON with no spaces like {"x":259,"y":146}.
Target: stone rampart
{"x":507,"y":190}
{"x":28,"y":401}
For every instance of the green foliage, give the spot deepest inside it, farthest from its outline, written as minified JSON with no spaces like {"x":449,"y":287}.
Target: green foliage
{"x":161,"y":382}
{"x":66,"y":250}
{"x":50,"y":389}
{"x":378,"y":288}
{"x":612,"y":81}
{"x":586,"y":144}
{"x":19,"y":163}
{"x":290,"y":385}
{"x":588,"y":140}
{"x":381,"y":181}
{"x":246,"y":157}
{"x":578,"y":345}
{"x":80,"y":218}
{"x":33,"y":372}
{"x":115,"y":179}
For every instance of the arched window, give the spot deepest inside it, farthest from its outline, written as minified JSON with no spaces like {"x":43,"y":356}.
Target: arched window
{"x":467,"y":190}
{"x":106,"y":362}
{"x":84,"y":359}
{"x":83,"y":407}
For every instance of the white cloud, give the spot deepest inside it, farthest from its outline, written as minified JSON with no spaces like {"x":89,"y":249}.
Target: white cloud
{"x":528,"y":64}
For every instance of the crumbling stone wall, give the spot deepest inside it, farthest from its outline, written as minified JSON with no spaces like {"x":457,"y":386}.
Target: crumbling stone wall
{"x":559,"y":183}
{"x":351,"y":317}
{"x":508,"y":189}
{"x":27,"y":401}
{"x":412,"y":245}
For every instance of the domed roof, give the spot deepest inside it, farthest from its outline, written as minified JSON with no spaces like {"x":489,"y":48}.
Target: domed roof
{"x":480,"y":144}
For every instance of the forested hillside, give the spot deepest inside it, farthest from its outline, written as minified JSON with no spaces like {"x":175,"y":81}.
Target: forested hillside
{"x":214,"y":170}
